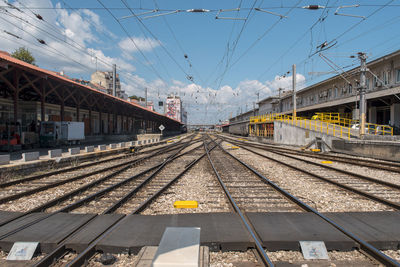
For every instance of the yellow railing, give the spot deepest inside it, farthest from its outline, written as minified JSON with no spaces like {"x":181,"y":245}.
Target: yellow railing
{"x":377,"y":129}
{"x":335,"y":124}
{"x":342,"y":119}
{"x":320,"y":126}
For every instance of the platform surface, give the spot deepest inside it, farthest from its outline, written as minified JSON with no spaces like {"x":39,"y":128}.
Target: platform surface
{"x":219,"y":231}
{"x":48,"y":232}
{"x":284,"y":230}
{"x":89,"y":232}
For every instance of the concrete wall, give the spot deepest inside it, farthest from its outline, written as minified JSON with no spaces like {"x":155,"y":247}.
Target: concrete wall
{"x":367,"y":148}
{"x":292,"y":135}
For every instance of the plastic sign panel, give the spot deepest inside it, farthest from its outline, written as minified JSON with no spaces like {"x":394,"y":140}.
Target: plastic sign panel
{"x":22,"y":251}
{"x":161,"y":127}
{"x":314,"y":250}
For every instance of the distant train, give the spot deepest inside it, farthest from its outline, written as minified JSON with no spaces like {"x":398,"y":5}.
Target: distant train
{"x":238,"y":128}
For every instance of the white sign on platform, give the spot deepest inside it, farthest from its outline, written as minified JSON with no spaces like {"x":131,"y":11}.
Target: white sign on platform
{"x":162,"y":128}
{"x":314,"y":250}
{"x":22,"y":251}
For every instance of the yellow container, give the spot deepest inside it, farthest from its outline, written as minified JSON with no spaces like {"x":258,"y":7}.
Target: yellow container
{"x":326,"y":162}
{"x":316,"y":150}
{"x":185,"y":204}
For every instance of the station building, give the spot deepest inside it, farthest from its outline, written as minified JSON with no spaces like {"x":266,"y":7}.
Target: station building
{"x":340,"y":94}
{"x":29,"y":95}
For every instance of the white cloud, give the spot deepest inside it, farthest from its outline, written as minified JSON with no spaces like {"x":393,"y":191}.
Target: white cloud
{"x":207,"y":105}
{"x":70,"y":36}
{"x":134,"y":44}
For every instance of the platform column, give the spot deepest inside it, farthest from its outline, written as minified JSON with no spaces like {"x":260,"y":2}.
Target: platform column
{"x":395,"y":115}
{"x":100,"y":123}
{"x":16,"y":95}
{"x":90,"y":121}
{"x":108,"y":123}
{"x":42,"y":101}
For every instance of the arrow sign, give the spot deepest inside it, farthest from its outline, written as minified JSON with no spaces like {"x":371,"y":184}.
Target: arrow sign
{"x":161,"y":127}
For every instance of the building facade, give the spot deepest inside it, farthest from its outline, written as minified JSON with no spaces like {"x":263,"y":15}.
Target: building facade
{"x":105,"y":80}
{"x":341,"y":94}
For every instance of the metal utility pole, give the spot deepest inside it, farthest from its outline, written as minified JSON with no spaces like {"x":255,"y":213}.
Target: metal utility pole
{"x":258,"y":96}
{"x":114,"y":80}
{"x":145,"y":97}
{"x":363,"y":100}
{"x":280,"y":102}
{"x":294,"y":91}
{"x":254,"y":108}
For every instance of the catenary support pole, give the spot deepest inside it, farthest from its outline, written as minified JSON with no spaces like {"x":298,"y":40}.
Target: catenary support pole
{"x":363,"y":100}
{"x":114,"y":80}
{"x":294,"y":92}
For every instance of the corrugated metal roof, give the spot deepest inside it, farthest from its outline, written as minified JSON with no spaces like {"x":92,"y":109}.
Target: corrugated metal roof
{"x":54,"y":75}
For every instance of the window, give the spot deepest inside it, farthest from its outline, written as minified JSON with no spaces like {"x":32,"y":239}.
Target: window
{"x":385,"y":77}
{"x":335,"y":92}
{"x":350,"y":88}
{"x":367,"y":84}
{"x":398,"y":76}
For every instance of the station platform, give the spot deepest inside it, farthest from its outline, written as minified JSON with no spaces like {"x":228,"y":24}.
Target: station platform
{"x":44,"y":160}
{"x":219,"y":231}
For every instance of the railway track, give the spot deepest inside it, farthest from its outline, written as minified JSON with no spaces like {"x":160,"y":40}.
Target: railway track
{"x":128,"y":191}
{"x":23,"y":187}
{"x":363,"y":162}
{"x":384,"y":192}
{"x":364,"y":246}
{"x":136,"y":200}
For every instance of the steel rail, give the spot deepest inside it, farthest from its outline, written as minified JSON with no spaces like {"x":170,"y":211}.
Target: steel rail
{"x":67,"y":196}
{"x":349,"y":188}
{"x":65,"y":170}
{"x":127,"y":196}
{"x":102,"y":192}
{"x":369,"y":249}
{"x":364,"y":177}
{"x":91,"y":249}
{"x":258,"y":243}
{"x":81,"y":189}
{"x":381,"y":165}
{"x":61,"y":248}
{"x":58,"y":183}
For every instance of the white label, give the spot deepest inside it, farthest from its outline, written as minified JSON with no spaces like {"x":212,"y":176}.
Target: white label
{"x":22,"y":251}
{"x":161,"y":127}
{"x":313,"y":250}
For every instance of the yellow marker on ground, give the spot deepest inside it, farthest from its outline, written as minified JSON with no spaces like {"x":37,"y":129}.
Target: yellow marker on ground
{"x":326,"y":162}
{"x":316,"y":150}
{"x":170,"y":141}
{"x":235,"y":147}
{"x":185,"y":204}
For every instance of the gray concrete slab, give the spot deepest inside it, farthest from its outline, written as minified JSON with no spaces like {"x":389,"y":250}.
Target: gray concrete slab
{"x":146,"y":255}
{"x":89,"y":149}
{"x":94,"y":228}
{"x":102,"y":147}
{"x":284,"y":230}
{"x":55,"y":153}
{"x":219,"y":231}
{"x":30,"y":156}
{"x":380,"y":229}
{"x":179,"y":246}
{"x":48,"y":232}
{"x":112,"y":146}
{"x":4,"y":159}
{"x":74,"y":150}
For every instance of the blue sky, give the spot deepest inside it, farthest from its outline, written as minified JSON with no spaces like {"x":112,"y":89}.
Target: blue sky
{"x":217,"y":66}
